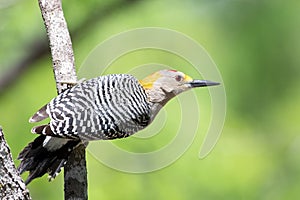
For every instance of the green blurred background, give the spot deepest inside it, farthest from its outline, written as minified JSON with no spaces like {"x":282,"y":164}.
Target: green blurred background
{"x":256,"y":46}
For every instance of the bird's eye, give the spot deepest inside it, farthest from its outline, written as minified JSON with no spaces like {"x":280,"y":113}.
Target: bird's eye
{"x":178,"y":78}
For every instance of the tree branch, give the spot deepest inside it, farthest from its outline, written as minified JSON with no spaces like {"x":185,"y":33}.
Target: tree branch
{"x":60,"y":44}
{"x":65,"y":77}
{"x":11,"y":184}
{"x":76,"y":175}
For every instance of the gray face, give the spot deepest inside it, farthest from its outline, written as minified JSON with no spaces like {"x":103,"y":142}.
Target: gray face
{"x":163,"y":85}
{"x":177,"y":82}
{"x":172,"y":81}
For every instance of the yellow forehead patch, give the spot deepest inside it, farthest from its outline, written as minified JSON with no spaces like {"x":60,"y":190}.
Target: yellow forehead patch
{"x":187,"y":78}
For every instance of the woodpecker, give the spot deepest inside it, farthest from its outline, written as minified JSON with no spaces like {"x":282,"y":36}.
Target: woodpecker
{"x":103,"y":108}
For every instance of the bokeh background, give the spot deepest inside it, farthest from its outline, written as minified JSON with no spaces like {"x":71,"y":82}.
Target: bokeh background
{"x":256,"y":46}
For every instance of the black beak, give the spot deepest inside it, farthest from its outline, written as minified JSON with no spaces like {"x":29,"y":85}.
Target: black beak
{"x":202,"y":83}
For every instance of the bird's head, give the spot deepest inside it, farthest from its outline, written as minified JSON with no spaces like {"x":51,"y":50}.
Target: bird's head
{"x":161,"y":86}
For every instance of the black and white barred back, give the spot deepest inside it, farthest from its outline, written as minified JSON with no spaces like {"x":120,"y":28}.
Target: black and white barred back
{"x":107,"y":107}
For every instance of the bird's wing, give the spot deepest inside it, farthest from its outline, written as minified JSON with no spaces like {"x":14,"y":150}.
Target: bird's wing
{"x":107,"y":107}
{"x":40,"y":115}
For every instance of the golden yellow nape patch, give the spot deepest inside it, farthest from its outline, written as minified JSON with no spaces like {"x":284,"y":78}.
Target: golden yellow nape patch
{"x":146,"y":85}
{"x":147,"y":82}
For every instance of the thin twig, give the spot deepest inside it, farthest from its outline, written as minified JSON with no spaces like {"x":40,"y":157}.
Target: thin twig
{"x":60,"y":44}
{"x":65,"y":77}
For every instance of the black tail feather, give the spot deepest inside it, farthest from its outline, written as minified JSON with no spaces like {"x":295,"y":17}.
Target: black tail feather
{"x":38,"y":159}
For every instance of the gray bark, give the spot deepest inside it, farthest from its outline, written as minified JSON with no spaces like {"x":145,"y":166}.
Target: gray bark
{"x":11,"y":184}
{"x":60,"y":44}
{"x":75,"y":174}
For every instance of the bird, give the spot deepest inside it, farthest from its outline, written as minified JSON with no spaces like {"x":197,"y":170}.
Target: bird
{"x":107,"y":107}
